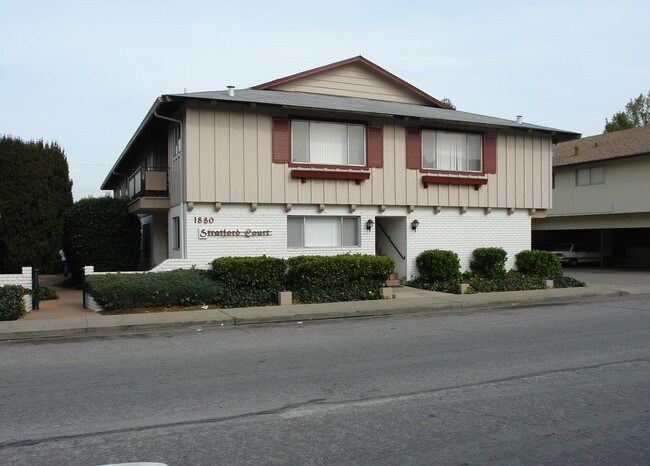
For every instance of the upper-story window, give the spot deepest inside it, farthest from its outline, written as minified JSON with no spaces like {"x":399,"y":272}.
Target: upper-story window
{"x":451,"y":151}
{"x":324,"y":143}
{"x":588,"y":176}
{"x":176,"y":140}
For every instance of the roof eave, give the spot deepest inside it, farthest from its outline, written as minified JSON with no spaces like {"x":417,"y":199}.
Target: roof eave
{"x":113,"y":173}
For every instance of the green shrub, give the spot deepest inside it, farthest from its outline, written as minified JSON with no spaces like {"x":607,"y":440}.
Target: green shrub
{"x":567,"y":282}
{"x":247,"y":281}
{"x":101,"y":232}
{"x":489,"y":262}
{"x":511,"y":281}
{"x":12,"y":306}
{"x":35,"y":191}
{"x":351,"y":292}
{"x":46,"y":294}
{"x":542,"y":264}
{"x":260,"y":272}
{"x":450,"y":286}
{"x":341,"y":271}
{"x":436,"y":265}
{"x":182,"y":287}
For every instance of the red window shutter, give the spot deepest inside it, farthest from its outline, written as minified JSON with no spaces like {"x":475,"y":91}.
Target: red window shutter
{"x":376,"y":146}
{"x":489,"y":154}
{"x":281,"y":140}
{"x":413,"y":148}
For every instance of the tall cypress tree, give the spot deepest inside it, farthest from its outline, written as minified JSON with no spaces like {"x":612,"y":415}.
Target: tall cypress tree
{"x":35,"y":192}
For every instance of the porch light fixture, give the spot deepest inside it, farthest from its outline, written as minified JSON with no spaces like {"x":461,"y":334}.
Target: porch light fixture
{"x":369,"y":224}
{"x":415,"y":224}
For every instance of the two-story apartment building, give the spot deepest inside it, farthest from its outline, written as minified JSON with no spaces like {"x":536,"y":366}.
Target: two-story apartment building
{"x":342,"y":158}
{"x":601,"y":196}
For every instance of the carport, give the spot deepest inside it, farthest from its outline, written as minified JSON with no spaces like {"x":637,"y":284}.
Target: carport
{"x":624,"y":240}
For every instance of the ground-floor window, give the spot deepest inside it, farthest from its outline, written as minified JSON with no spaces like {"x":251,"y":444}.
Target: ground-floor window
{"x":176,"y":232}
{"x":318,"y":232}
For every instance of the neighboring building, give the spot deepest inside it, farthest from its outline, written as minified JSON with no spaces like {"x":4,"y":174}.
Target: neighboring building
{"x":601,"y":196}
{"x":342,"y":158}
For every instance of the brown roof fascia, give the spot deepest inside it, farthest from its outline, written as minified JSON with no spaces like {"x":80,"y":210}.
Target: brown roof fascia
{"x":357,"y":59}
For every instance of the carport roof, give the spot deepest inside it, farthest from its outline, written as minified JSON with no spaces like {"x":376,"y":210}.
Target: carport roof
{"x":619,"y":144}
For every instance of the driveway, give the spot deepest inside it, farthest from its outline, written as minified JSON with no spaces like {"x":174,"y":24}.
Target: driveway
{"x":633,"y":281}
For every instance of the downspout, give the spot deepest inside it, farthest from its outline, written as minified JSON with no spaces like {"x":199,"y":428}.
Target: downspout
{"x":180,"y":124}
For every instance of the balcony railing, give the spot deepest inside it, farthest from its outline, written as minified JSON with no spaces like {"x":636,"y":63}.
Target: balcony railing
{"x":149,"y":182}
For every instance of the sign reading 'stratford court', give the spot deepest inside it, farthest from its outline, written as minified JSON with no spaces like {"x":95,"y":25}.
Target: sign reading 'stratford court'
{"x":247,"y":233}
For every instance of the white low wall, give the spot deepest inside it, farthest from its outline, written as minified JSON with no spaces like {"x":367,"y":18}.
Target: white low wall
{"x":23,"y":279}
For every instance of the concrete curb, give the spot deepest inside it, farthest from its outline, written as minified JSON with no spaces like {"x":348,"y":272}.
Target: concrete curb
{"x":436,"y":302}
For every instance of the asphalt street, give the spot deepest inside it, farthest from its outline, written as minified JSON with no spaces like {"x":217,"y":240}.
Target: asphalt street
{"x":559,"y":384}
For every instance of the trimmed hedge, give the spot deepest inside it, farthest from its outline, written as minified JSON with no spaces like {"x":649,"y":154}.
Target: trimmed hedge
{"x":345,"y":277}
{"x":46,"y":294}
{"x":542,"y":264}
{"x":35,"y":191}
{"x":247,"y":281}
{"x":101,"y":232}
{"x":488,"y":272}
{"x":182,"y":287}
{"x":489,"y":262}
{"x":12,"y":306}
{"x":261,"y":272}
{"x":436,"y":265}
{"x":343,"y":270}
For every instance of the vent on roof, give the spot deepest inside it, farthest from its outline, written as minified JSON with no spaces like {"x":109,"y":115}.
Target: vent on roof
{"x":519,"y":117}
{"x":595,"y":144}
{"x":231,"y":91}
{"x":575,"y":150}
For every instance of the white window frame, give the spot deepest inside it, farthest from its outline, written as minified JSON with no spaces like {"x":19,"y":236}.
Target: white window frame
{"x":336,"y":221}
{"x":311,"y":125}
{"x":590,"y":173}
{"x":434,"y":153}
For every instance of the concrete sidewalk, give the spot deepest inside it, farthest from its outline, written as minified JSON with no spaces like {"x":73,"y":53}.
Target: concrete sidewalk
{"x":407,"y":301}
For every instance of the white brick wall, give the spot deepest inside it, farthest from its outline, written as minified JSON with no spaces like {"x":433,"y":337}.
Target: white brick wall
{"x":266,"y":217}
{"x":462,"y":233}
{"x":449,"y":229}
{"x":23,"y":279}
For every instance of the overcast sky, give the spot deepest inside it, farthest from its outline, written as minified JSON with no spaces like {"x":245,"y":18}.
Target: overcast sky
{"x":84,"y":73}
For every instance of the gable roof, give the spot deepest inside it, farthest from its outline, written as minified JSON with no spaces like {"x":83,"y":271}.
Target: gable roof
{"x":360,"y":60}
{"x":619,"y":144}
{"x":380,"y":108}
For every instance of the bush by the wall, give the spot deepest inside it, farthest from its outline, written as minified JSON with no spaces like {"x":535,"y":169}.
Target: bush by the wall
{"x":46,"y":294}
{"x":489,"y":262}
{"x":542,"y":264}
{"x":567,"y":282}
{"x":437,"y":265}
{"x":101,"y":232}
{"x":12,"y":306}
{"x":187,"y":287}
{"x":345,"y":277}
{"x":343,"y":270}
{"x":258,"y":272}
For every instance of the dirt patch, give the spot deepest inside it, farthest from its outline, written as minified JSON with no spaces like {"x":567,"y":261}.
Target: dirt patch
{"x":151,"y":310}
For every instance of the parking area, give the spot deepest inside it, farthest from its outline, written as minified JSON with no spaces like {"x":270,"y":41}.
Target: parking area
{"x":630,"y":280}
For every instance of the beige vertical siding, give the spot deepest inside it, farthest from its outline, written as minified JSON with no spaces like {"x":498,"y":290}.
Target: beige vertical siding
{"x":229,"y":158}
{"x":353,"y":80}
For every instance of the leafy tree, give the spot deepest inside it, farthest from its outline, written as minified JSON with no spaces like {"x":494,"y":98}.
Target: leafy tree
{"x":35,"y":191}
{"x":636,"y":114}
{"x":448,"y":103}
{"x":101,"y":232}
